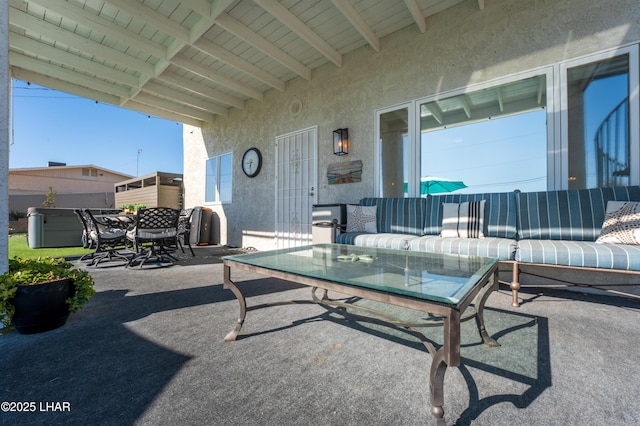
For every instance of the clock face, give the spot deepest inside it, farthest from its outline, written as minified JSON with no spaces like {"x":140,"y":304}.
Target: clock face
{"x":251,"y":162}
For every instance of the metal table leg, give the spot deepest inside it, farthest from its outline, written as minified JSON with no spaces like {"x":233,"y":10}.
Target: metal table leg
{"x":228,"y":284}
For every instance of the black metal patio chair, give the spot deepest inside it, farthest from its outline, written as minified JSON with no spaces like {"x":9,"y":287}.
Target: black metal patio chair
{"x":87,"y":241}
{"x":108,"y":236}
{"x":154,"y":230}
{"x":184,"y":230}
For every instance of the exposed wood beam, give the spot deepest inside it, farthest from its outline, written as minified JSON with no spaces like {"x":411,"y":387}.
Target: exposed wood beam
{"x":216,"y":77}
{"x":27,"y":22}
{"x":541,"y":87}
{"x":435,"y":111}
{"x":201,"y":89}
{"x":283,"y":15}
{"x":70,"y":60}
{"x":233,"y":26}
{"x":162,"y":113}
{"x":465,"y":105}
{"x":418,"y":16}
{"x":152,"y":17}
{"x":63,"y":86}
{"x":248,"y":68}
{"x":167,"y":105}
{"x":201,"y":7}
{"x":187,"y":99}
{"x":210,"y":12}
{"x":184,"y":37}
{"x":103,"y":26}
{"x":358,"y":23}
{"x":41,"y":67}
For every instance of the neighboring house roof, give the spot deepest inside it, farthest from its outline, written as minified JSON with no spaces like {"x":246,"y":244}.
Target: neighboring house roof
{"x":191,"y":61}
{"x":49,"y":169}
{"x":63,"y":179}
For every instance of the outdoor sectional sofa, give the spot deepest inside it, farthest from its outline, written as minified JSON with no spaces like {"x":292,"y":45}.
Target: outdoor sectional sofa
{"x":540,"y":238}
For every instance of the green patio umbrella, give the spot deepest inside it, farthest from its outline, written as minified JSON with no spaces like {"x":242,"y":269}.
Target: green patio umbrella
{"x":436,"y":185}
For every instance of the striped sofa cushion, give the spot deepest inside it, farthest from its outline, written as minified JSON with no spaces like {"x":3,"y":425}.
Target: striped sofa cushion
{"x":579,"y":254}
{"x":499,"y":213}
{"x":574,"y":215}
{"x":347,"y":237}
{"x":399,"y":215}
{"x":500,"y":248}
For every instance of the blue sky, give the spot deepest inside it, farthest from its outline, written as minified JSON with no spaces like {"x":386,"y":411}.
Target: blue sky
{"x":498,"y":155}
{"x":53,"y":126}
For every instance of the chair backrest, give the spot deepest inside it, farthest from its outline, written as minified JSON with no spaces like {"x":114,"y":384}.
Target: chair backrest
{"x":87,"y":239}
{"x":157,"y":219}
{"x":101,"y":225}
{"x":84,"y":219}
{"x":184,"y":221}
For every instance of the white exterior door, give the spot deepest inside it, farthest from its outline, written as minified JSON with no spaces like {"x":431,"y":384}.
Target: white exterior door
{"x":296,"y":186}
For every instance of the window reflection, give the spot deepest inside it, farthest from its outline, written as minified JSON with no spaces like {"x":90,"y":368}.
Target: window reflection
{"x":598,"y":113}
{"x":394,"y":152}
{"x":494,"y":139}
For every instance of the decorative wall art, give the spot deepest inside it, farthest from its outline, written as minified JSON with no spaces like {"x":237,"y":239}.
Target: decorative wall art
{"x":347,"y":172}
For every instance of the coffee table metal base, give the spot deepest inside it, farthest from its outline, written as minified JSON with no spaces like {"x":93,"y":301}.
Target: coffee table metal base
{"x":446,"y":355}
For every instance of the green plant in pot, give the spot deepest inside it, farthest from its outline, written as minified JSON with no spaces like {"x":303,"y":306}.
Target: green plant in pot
{"x":38,"y":294}
{"x":127,"y":208}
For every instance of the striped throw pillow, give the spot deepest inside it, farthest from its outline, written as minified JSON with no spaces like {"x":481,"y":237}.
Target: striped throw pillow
{"x":463,"y":220}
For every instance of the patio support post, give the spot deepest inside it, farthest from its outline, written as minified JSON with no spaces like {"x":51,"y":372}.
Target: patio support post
{"x":5,"y":101}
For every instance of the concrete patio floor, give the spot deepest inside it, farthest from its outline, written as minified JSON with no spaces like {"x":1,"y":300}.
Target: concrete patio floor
{"x":148,"y":349}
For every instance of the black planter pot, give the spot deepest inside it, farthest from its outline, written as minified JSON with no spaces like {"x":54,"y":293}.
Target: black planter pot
{"x":42,"y":307}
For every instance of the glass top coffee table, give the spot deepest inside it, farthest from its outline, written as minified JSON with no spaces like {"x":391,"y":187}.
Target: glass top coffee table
{"x":452,"y":287}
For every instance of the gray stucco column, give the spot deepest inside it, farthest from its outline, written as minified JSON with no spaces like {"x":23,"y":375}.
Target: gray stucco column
{"x":5,"y":102}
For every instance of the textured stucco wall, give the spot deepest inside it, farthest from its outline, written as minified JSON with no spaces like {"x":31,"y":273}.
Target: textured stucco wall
{"x":461,"y":46}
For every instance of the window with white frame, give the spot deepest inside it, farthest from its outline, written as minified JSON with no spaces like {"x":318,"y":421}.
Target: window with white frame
{"x":531,"y":132}
{"x":218,"y":183}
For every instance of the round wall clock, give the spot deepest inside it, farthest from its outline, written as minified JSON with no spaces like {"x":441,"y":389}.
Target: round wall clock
{"x":251,"y":162}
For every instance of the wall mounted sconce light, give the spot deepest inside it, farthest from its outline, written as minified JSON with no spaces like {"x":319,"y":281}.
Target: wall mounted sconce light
{"x":341,"y":141}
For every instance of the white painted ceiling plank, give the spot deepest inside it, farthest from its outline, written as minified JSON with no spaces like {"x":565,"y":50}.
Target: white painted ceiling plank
{"x":75,"y":41}
{"x":41,"y":67}
{"x":69,"y":59}
{"x":358,"y":23}
{"x":63,"y":86}
{"x":201,"y":89}
{"x":103,"y":26}
{"x":239,"y":30}
{"x":153,"y":18}
{"x":187,"y":99}
{"x":216,"y":77}
{"x":174,"y":107}
{"x":201,"y":7}
{"x":296,"y":25}
{"x":163,"y":113}
{"x":235,"y":61}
